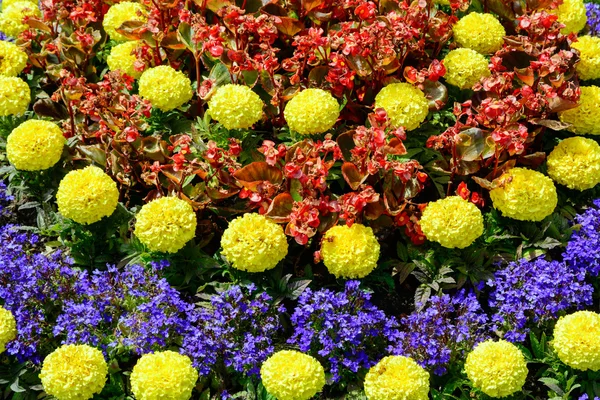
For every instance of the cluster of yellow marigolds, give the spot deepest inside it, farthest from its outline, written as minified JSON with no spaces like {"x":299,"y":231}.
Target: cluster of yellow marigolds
{"x":496,"y":368}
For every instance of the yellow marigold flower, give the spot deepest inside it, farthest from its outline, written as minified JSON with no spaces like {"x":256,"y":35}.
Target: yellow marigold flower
{"x":465,"y":67}
{"x":11,"y":18}
{"x":589,"y":53}
{"x":397,"y":378}
{"x":164,"y":375}
{"x":498,"y":369}
{"x":524,"y":195}
{"x":35,"y":145}
{"x":7,"y":3}
{"x":577,"y":340}
{"x":572,"y":14}
{"x":312,"y":111}
{"x":575,"y":163}
{"x":404,"y":104}
{"x":236,"y":106}
{"x":166,"y":224}
{"x":8,"y":328}
{"x":74,"y":372}
{"x":350,"y":252}
{"x":12,"y":59}
{"x":15,"y":96}
{"x":291,"y":375}
{"x":121,"y":58}
{"x":120,"y":13}
{"x":452,"y":222}
{"x":87,"y":195}
{"x":253,"y":243}
{"x":481,"y":32}
{"x":584,"y":117}
{"x":165,"y":88}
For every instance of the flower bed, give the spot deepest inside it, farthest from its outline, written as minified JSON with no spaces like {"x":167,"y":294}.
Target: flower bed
{"x":219,"y":199}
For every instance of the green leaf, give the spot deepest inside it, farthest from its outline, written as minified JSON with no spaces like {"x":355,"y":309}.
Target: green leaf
{"x":553,"y":385}
{"x":296,"y":288}
{"x":402,"y":251}
{"x":537,"y":346}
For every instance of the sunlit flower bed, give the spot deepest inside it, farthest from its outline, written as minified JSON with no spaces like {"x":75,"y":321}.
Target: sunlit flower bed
{"x":299,"y":199}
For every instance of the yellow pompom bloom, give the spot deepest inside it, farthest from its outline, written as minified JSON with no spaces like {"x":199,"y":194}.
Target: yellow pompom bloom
{"x":166,"y":224}
{"x":572,"y":14}
{"x":291,"y":375}
{"x":524,"y":195}
{"x":452,"y":222}
{"x":589,"y":53}
{"x":35,"y":145}
{"x":7,"y":3}
{"x":121,"y":58}
{"x":235,"y":106}
{"x":397,"y":378}
{"x":87,"y":195}
{"x":350,"y":252}
{"x":8,"y":328}
{"x":12,"y":59}
{"x":74,"y":372}
{"x":481,"y":32}
{"x":584,"y":117}
{"x":11,"y":18}
{"x":312,"y":111}
{"x":15,"y":96}
{"x":465,"y":67}
{"x":253,"y":243}
{"x":120,"y":13}
{"x":575,"y":163}
{"x":164,"y":375}
{"x":577,"y":340}
{"x":165,"y":87}
{"x":404,"y":104}
{"x":498,"y":369}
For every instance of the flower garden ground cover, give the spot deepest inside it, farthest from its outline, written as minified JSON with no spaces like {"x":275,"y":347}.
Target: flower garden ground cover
{"x":293,"y":200}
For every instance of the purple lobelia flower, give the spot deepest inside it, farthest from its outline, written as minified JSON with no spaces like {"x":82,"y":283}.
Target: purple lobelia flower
{"x":33,"y":286}
{"x":592,"y":11}
{"x":583,"y":250}
{"x":235,"y":332}
{"x":529,"y":293}
{"x":442,"y":330}
{"x":133,"y":308}
{"x":53,"y":302}
{"x":342,"y":329}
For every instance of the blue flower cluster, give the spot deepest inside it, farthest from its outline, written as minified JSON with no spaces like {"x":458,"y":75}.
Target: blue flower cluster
{"x":235,"y":332}
{"x":527,"y":293}
{"x":51,"y":300}
{"x":344,"y":330}
{"x":583,"y":251}
{"x":442,"y":330}
{"x":593,"y":18}
{"x":31,"y":285}
{"x":140,"y":309}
